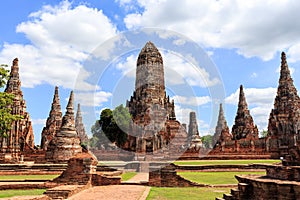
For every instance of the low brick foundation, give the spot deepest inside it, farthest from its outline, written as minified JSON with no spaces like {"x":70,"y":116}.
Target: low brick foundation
{"x":167,"y":177}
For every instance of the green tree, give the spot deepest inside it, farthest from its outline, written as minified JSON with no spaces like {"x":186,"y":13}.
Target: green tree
{"x":6,"y":100}
{"x":113,"y":125}
{"x":207,"y":141}
{"x":264,"y":133}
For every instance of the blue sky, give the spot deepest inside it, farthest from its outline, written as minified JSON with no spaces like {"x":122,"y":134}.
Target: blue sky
{"x":92,"y":46}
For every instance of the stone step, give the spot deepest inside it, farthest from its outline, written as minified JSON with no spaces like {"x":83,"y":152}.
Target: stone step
{"x":242,"y":187}
{"x":235,"y":192}
{"x":228,"y":197}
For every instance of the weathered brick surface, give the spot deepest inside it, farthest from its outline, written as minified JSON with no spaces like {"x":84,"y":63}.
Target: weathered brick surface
{"x":53,"y":122}
{"x":66,"y":142}
{"x":167,"y":177}
{"x":20,"y":138}
{"x":155,"y":126}
{"x":284,"y":120}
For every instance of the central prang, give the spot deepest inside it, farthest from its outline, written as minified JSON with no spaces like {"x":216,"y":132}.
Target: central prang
{"x":154,"y":124}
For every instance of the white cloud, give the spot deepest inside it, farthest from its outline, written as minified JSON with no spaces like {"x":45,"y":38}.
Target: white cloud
{"x":193,"y":101}
{"x":226,"y":24}
{"x":253,"y":75}
{"x":182,"y":114}
{"x":95,"y":99}
{"x":38,"y":121}
{"x":177,"y":70}
{"x":61,"y":38}
{"x":260,"y":99}
{"x":254,"y":96}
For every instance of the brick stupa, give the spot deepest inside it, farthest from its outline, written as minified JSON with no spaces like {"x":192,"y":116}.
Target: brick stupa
{"x":222,"y":130}
{"x":284,"y":120}
{"x":193,"y":134}
{"x":20,"y":137}
{"x":53,"y":122}
{"x":80,"y":127}
{"x":154,"y":124}
{"x":281,"y":182}
{"x":244,"y":126}
{"x":66,"y":142}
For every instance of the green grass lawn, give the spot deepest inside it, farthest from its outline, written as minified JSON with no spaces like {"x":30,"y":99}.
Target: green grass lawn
{"x":11,"y":193}
{"x":224,"y":162}
{"x":191,"y":193}
{"x":213,"y":178}
{"x":128,"y":175}
{"x":28,"y":177}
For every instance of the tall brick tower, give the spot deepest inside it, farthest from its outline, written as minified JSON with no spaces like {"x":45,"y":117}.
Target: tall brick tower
{"x":244,"y":126}
{"x":53,"y":122}
{"x":222,"y":130}
{"x":284,"y":120}
{"x":21,"y":136}
{"x":154,"y":121}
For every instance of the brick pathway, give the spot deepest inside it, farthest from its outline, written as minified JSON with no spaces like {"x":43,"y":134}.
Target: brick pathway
{"x":117,"y":192}
{"x":113,"y":192}
{"x":138,"y":178}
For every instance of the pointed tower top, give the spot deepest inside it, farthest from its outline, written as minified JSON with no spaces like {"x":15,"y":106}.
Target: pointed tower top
{"x":78,"y":113}
{"x":15,"y":62}
{"x":149,"y":54}
{"x":80,"y":126}
{"x":68,"y":121}
{"x":283,"y":58}
{"x":71,"y":102}
{"x":242,"y":99}
{"x":14,"y":84}
{"x":221,"y":130}
{"x":56,"y":97}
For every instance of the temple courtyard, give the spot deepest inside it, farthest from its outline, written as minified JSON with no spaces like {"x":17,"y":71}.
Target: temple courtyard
{"x":214,"y":176}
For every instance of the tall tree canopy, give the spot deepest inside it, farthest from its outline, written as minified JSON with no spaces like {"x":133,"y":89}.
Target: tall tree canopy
{"x":112,"y":125}
{"x":6,"y":100}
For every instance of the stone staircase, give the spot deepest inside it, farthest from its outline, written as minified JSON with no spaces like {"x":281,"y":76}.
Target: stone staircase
{"x":237,"y":193}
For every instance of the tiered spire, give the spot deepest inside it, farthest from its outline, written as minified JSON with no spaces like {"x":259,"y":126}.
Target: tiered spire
{"x":53,"y":122}
{"x":80,"y":126}
{"x":21,"y":135}
{"x":14,"y":84}
{"x":68,"y":121}
{"x":222,"y":130}
{"x":284,"y":120}
{"x":243,"y":125}
{"x":66,"y":142}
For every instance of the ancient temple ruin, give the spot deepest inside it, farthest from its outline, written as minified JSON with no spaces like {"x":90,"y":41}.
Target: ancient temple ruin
{"x":222,"y":133}
{"x":66,"y":142}
{"x":281,"y":180}
{"x":284,"y":120}
{"x":244,"y":126}
{"x":21,"y":136}
{"x":243,"y":141}
{"x":80,"y":127}
{"x":53,"y":122}
{"x":195,"y":142}
{"x":154,"y":124}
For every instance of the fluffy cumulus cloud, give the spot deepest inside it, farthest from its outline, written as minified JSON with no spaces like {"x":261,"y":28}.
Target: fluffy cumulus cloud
{"x":192,"y":101}
{"x":93,"y":99}
{"x":252,"y":27}
{"x":57,"y":46}
{"x":261,"y":102}
{"x":177,"y":70}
